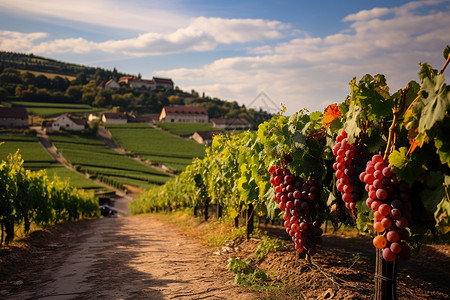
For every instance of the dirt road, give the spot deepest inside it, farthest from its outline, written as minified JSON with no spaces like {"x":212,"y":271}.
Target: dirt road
{"x":123,"y":258}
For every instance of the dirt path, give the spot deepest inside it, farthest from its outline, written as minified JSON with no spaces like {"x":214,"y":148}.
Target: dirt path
{"x":124,"y":258}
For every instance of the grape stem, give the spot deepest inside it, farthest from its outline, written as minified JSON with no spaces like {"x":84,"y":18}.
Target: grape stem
{"x":393,"y":128}
{"x":445,"y":65}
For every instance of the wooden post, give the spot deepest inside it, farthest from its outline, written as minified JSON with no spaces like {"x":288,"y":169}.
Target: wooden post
{"x":206,"y":209}
{"x":236,"y":222}
{"x":250,"y":220}
{"x":219,"y":211}
{"x":385,"y":278}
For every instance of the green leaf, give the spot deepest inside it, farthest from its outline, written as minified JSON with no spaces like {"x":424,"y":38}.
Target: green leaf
{"x":375,"y":140}
{"x":436,"y":103}
{"x":407,"y":169}
{"x":351,"y":125}
{"x":365,"y":215}
{"x":431,"y":198}
{"x":315,"y":116}
{"x":446,"y":52}
{"x":442,"y":143}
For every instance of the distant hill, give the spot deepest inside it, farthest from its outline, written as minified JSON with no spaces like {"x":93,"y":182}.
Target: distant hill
{"x":32,"y":62}
{"x":30,"y":78}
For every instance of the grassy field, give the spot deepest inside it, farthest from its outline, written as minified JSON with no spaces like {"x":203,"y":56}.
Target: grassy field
{"x":185,"y":129}
{"x":157,"y":146}
{"x":37,"y":158}
{"x":48,"y":75}
{"x":46,"y":110}
{"x":88,"y":154}
{"x":29,"y":148}
{"x":75,"y":179}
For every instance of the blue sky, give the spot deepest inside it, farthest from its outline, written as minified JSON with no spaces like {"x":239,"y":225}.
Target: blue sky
{"x":302,"y":54}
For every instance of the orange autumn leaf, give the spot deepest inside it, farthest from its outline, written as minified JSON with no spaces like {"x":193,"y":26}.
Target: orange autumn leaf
{"x":413,"y":147}
{"x":330,"y":113}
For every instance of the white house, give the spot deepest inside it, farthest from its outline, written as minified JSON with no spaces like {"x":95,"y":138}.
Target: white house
{"x":115,"y":118}
{"x":141,"y":84}
{"x":231,"y":124}
{"x":13,"y":117}
{"x":184,"y":114}
{"x":67,"y":122}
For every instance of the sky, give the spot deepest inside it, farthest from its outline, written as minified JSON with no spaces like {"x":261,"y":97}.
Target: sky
{"x":261,"y":53}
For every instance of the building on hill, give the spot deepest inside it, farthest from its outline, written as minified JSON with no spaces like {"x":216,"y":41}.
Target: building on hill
{"x":115,"y":118}
{"x":186,"y":114}
{"x":126,"y":79}
{"x":151,"y":119}
{"x":112,"y":85}
{"x":231,"y":124}
{"x":204,"y":137}
{"x":165,"y":83}
{"x":13,"y":117}
{"x":67,"y":122}
{"x":139,"y":83}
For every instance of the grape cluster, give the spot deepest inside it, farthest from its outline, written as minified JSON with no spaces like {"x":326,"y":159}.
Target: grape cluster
{"x":391,"y":203}
{"x":350,"y":163}
{"x":297,"y":198}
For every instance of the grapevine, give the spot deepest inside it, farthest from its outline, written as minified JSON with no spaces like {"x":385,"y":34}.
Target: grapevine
{"x":297,"y":199}
{"x":391,"y":203}
{"x":348,"y":167}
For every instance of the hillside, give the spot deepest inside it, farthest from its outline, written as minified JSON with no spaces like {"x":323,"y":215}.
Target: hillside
{"x":31,"y":62}
{"x":26,"y":77}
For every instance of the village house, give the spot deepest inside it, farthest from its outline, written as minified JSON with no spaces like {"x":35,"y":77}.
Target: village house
{"x":115,"y":118}
{"x":165,"y":83}
{"x":112,"y":85}
{"x":184,"y":114}
{"x":141,"y":84}
{"x":151,"y":118}
{"x":203,"y":137}
{"x":13,"y":117}
{"x":67,"y":122}
{"x":126,"y":79}
{"x":231,"y":124}
{"x":155,"y":83}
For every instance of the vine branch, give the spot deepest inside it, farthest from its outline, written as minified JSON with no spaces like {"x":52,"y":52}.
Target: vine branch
{"x":397,"y":110}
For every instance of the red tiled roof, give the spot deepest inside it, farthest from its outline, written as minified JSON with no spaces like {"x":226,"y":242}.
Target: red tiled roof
{"x":162,"y":80}
{"x":185,"y":110}
{"x":79,"y":121}
{"x":206,"y":135}
{"x":13,"y":112}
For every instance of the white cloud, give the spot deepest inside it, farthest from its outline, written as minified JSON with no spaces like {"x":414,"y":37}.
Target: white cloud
{"x":367,"y":14}
{"x":312,"y":72}
{"x":202,"y":34}
{"x":142,"y":16}
{"x":17,"y":41}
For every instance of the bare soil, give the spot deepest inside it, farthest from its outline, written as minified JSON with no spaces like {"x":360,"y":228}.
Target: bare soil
{"x":144,"y":258}
{"x":115,"y":258}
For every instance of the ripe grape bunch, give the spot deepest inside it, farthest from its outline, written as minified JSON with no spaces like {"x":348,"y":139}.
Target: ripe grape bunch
{"x":297,"y":198}
{"x":350,"y":163}
{"x":391,"y":203}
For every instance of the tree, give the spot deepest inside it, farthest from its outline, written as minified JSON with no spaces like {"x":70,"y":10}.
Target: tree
{"x":42,"y":82}
{"x":74,"y":92}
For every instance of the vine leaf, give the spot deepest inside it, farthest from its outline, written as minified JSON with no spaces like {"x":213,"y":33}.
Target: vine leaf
{"x":442,"y":143}
{"x":351,"y":125}
{"x":407,"y":169}
{"x":436,"y":102}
